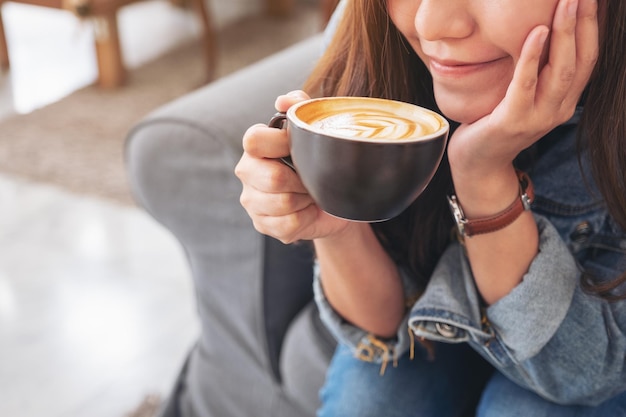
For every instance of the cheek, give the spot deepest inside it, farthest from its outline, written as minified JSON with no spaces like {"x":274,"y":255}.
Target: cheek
{"x":402,"y":13}
{"x":516,"y":24}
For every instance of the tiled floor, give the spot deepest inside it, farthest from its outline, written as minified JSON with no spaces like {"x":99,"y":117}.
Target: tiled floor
{"x":90,"y":322}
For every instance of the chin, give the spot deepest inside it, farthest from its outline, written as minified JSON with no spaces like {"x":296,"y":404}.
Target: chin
{"x":462,"y":114}
{"x":462,"y":109}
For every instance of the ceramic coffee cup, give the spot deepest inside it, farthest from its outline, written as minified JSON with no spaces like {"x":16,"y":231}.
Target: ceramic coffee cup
{"x":363,"y":159}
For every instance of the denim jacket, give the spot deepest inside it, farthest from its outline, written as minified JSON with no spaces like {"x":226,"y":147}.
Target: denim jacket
{"x":547,"y":334}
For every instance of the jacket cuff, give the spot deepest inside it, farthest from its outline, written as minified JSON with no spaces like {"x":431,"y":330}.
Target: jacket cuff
{"x":363,"y":344}
{"x":528,"y":317}
{"x":518,"y":325}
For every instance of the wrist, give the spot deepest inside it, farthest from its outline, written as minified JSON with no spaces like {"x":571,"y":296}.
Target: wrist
{"x":352,"y":232}
{"x":469,"y":226}
{"x":483,"y":194}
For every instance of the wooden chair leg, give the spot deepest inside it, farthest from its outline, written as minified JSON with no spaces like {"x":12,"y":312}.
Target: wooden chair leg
{"x":208,"y":37}
{"x":111,"y":71}
{"x":4,"y":50}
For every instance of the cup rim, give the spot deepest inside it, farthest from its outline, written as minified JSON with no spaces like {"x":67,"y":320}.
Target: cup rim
{"x":445,"y":125}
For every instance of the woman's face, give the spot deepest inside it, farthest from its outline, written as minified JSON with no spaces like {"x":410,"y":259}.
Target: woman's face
{"x":470,"y":47}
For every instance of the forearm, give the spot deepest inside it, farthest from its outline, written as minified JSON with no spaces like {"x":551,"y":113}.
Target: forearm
{"x":360,"y":280}
{"x":498,"y":259}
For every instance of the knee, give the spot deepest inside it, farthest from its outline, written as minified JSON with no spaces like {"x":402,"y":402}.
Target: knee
{"x":504,"y":398}
{"x":497,"y":398}
{"x":352,"y":388}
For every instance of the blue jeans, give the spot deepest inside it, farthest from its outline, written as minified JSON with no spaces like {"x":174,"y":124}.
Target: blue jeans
{"x":448,"y":386}
{"x":457,"y":383}
{"x":503,"y":398}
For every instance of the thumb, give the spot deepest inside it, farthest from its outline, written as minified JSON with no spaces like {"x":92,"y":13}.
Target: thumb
{"x":287,"y":100}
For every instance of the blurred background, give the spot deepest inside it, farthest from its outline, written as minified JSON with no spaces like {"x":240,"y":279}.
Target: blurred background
{"x":96,"y":307}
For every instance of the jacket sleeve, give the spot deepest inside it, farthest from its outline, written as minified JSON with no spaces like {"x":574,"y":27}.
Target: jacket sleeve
{"x":366,"y":346}
{"x":547,"y":334}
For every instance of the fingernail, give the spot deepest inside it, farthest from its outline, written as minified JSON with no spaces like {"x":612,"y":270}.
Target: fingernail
{"x":295,"y":94}
{"x":543,"y":35}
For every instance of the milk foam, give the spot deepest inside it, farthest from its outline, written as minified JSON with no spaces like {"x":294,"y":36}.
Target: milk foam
{"x":372,"y":124}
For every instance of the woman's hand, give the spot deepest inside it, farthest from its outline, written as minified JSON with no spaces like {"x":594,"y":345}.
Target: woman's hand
{"x":273,"y":194}
{"x":359,"y":279}
{"x":539,"y":98}
{"x":541,"y":95}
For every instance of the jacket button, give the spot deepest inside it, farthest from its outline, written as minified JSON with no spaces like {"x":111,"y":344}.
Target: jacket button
{"x":582,"y":232}
{"x":446,"y":330}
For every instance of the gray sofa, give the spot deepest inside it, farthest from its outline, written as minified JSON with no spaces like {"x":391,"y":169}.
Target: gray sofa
{"x":262,"y":349}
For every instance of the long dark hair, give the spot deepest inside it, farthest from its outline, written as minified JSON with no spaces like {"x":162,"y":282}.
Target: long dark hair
{"x":369,"y":57}
{"x":604,"y":127}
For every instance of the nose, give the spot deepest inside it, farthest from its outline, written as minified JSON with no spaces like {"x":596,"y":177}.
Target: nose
{"x":437,"y":19}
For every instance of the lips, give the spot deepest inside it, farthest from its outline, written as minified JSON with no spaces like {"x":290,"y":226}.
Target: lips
{"x":453,"y":68}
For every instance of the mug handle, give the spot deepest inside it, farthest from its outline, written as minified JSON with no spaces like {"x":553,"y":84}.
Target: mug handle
{"x":278,"y":121}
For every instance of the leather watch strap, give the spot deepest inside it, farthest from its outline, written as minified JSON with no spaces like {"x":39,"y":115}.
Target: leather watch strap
{"x":471,"y":227}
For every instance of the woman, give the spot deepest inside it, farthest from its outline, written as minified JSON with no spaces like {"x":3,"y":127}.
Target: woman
{"x":537,"y":90}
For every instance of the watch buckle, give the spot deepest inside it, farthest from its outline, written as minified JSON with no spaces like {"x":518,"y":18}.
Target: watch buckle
{"x":457,"y":213}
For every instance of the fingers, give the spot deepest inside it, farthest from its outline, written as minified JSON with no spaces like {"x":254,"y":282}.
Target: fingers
{"x":273,"y":204}
{"x":561,"y":68}
{"x":522,"y":90}
{"x":268,"y":175}
{"x":261,"y":141}
{"x":587,"y":38}
{"x":573,"y":53}
{"x":290,"y":227}
{"x":554,"y":89}
{"x":273,"y":194}
{"x":264,"y":142}
{"x":275,"y":199}
{"x":285,"y":101}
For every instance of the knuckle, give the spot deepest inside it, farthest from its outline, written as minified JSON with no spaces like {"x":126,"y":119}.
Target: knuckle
{"x":279,"y":228}
{"x":567,"y":74}
{"x":287,"y":239}
{"x":291,"y":225}
{"x":286,"y":199}
{"x":244,"y":200}
{"x":514,"y":129}
{"x":590,"y":59}
{"x":239,"y":170}
{"x":529,"y":84}
{"x":259,"y":227}
{"x":277,"y":178}
{"x":591,"y":12}
{"x":247,"y":202}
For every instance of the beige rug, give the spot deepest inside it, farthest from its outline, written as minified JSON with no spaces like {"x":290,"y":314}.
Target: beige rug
{"x":77,"y":143}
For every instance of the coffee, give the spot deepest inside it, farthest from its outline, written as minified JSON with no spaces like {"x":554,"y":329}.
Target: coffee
{"x":369,"y":119}
{"x":363,"y":159}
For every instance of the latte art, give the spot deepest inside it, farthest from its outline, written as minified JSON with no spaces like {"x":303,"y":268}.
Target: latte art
{"x":367,"y":124}
{"x":372,"y":123}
